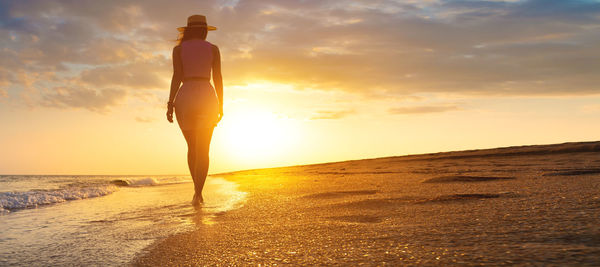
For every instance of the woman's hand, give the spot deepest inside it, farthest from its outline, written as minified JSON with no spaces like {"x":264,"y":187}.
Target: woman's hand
{"x":220,"y":116}
{"x":170,"y":113}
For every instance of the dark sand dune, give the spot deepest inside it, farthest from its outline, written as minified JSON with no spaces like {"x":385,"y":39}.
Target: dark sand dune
{"x":573,"y":172}
{"x":373,"y":203}
{"x":580,"y":147}
{"x":459,"y":197}
{"x":357,"y":219}
{"x":530,"y":150}
{"x":465,"y":178}
{"x":383,"y":203}
{"x":459,"y":208}
{"x":341,"y":194}
{"x":345,"y":173}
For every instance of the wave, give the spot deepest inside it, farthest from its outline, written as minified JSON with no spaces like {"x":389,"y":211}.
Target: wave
{"x":31,"y":199}
{"x":148,"y":181}
{"x":75,"y":189}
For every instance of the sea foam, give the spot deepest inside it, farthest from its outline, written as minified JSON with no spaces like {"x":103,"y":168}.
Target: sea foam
{"x":31,"y":199}
{"x":149,"y":181}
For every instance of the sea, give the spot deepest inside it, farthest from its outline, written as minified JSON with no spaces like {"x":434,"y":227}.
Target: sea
{"x":49,"y":220}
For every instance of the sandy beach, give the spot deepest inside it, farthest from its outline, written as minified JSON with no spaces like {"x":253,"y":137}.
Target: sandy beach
{"x":303,"y":133}
{"x":518,"y":205}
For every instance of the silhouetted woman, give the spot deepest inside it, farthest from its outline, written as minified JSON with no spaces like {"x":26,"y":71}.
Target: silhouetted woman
{"x":198,"y":106}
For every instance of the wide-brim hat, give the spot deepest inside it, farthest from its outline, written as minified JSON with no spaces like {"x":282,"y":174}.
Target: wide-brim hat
{"x":197,"y":21}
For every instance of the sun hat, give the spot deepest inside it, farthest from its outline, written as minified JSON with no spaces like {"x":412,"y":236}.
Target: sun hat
{"x":197,"y":21}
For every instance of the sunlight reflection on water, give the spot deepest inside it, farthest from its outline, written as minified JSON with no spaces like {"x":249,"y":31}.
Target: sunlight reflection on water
{"x":221,"y":196}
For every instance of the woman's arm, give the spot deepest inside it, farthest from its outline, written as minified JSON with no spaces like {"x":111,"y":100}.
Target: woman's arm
{"x":218,"y":78}
{"x":175,"y":80}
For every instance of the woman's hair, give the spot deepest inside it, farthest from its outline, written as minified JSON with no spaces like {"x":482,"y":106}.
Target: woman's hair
{"x":192,"y":33}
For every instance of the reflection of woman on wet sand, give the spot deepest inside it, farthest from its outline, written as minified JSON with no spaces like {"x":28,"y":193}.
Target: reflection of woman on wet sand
{"x":198,"y":106}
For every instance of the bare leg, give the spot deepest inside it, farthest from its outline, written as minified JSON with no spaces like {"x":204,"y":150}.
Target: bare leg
{"x":198,"y":142}
{"x":203,"y":138}
{"x":190,"y":138}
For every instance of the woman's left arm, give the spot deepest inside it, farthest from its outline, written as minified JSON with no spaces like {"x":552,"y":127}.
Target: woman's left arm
{"x":175,"y":81}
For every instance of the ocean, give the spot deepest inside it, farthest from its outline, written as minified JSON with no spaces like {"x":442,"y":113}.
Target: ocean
{"x":100,"y":220}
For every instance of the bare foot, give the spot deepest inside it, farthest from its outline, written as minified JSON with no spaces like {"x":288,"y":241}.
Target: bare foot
{"x":197,"y":200}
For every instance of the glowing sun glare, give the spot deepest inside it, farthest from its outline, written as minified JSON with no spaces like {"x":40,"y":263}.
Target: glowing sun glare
{"x":253,"y":135}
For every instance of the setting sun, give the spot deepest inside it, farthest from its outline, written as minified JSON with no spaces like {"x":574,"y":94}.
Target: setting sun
{"x":257,"y":136}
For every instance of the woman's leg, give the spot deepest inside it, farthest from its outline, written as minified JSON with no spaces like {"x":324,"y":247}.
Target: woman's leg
{"x":203,"y":138}
{"x":190,"y":138}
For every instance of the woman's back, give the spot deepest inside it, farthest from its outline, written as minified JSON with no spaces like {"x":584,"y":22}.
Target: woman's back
{"x":196,"y":103}
{"x":196,"y":58}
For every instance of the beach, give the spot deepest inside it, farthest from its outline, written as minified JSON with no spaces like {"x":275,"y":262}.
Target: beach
{"x":530,"y":205}
{"x":329,"y":133}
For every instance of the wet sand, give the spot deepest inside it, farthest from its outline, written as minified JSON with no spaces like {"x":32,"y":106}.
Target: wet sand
{"x":533,"y":205}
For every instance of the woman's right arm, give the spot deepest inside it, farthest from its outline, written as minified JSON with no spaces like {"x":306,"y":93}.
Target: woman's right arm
{"x":175,"y":81}
{"x":218,"y":78}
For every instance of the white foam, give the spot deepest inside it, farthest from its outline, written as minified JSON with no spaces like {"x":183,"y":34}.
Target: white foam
{"x":32,"y":199}
{"x":223,"y":195}
{"x":150,"y":181}
{"x":142,"y":182}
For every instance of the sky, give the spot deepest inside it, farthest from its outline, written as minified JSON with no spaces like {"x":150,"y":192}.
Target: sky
{"x":84,"y":84}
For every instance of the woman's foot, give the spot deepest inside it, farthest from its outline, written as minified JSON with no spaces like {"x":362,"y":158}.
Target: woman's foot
{"x":197,"y":200}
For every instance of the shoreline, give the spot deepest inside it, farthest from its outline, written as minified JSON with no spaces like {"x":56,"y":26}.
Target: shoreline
{"x":105,"y":230}
{"x":427,"y":211}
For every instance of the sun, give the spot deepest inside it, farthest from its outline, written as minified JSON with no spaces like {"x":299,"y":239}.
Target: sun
{"x":254,"y":135}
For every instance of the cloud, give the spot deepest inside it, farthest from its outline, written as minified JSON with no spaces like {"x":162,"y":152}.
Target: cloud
{"x":578,"y":10}
{"x":422,"y":109}
{"x":460,"y":47}
{"x":94,"y":100}
{"x":150,"y":74}
{"x":5,"y":77}
{"x":331,"y":115}
{"x":145,"y":119}
{"x":592,"y":108}
{"x":393,"y":48}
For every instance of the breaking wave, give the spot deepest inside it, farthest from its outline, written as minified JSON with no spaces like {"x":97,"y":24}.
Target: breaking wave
{"x":32,"y":199}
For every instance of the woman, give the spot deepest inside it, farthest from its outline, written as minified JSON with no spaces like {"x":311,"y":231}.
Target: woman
{"x":198,"y":106}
